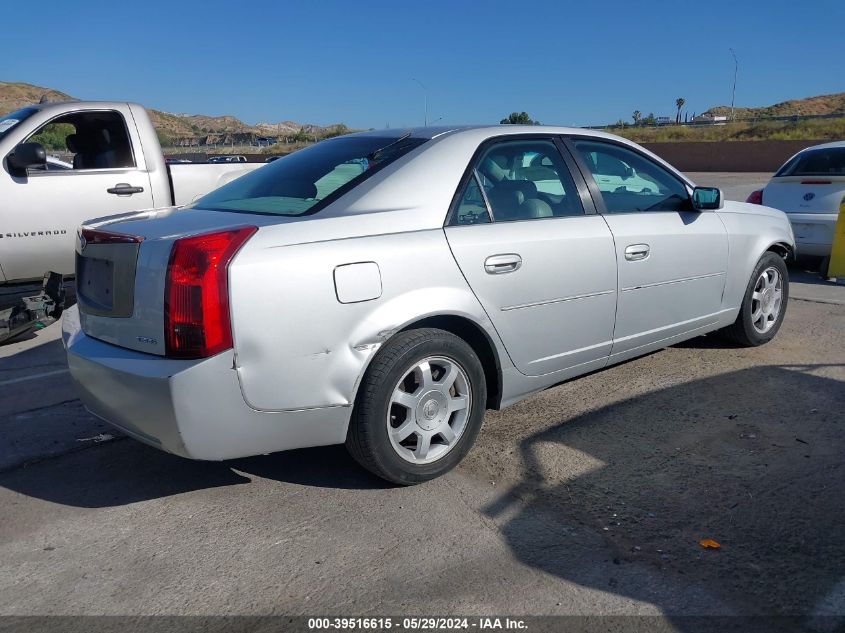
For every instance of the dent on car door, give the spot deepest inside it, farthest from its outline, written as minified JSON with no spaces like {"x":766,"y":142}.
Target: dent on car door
{"x":672,"y":259}
{"x":48,"y":205}
{"x":542,"y":268}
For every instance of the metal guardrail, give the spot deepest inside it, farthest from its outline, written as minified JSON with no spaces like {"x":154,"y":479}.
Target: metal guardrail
{"x":793,"y":118}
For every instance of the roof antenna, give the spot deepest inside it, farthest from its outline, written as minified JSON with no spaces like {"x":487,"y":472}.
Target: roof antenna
{"x":44,"y":98}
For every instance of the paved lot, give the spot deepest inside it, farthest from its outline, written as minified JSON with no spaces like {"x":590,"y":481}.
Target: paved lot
{"x":736,"y":186}
{"x":589,"y":498}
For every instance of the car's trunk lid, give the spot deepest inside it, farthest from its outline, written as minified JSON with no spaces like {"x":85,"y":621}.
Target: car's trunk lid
{"x":805,"y":194}
{"x":121,"y":264}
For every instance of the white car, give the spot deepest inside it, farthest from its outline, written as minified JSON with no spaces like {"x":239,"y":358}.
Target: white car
{"x":810,"y":189}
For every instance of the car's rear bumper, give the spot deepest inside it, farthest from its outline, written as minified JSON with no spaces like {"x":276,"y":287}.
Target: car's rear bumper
{"x":813,"y":232}
{"x":190,"y":408}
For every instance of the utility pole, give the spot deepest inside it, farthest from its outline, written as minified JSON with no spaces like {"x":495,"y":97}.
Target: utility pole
{"x":425,"y":100}
{"x":733,"y":93}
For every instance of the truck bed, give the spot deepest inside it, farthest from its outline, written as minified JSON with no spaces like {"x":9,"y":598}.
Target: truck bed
{"x":190,"y":181}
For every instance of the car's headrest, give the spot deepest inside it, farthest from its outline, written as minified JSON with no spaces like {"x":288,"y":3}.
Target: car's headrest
{"x":89,"y":141}
{"x":525,"y":188}
{"x":291,"y":188}
{"x":72,"y":142}
{"x":535,"y":208}
{"x":508,"y":196}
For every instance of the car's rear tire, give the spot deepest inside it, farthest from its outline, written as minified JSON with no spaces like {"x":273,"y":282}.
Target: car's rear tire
{"x":824,"y":267}
{"x":419,"y":408}
{"x":763,"y":305}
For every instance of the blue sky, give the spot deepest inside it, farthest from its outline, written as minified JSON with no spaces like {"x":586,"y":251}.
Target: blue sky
{"x":568,"y":63}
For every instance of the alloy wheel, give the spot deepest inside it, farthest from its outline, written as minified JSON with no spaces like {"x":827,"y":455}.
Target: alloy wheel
{"x":429,"y":409}
{"x":766,"y":300}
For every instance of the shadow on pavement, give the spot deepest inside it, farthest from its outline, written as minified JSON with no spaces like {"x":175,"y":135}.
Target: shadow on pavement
{"x":751,"y":459}
{"x":124,"y":471}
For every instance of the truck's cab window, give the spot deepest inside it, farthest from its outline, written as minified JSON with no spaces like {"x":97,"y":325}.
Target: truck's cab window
{"x":87,"y":140}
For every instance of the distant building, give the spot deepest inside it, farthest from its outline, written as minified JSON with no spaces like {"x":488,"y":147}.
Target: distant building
{"x":709,"y":119}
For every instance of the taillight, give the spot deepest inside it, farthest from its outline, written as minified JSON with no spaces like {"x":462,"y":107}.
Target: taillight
{"x":756,"y":197}
{"x":99,"y":236}
{"x":196,"y":296}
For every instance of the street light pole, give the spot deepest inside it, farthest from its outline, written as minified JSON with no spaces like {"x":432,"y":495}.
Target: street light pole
{"x":425,"y":100}
{"x":736,"y":70}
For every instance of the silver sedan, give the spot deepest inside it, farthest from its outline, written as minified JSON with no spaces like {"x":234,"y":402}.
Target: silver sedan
{"x":383,"y":289}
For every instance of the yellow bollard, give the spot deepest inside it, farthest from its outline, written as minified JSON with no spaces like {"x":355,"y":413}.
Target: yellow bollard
{"x":836,"y":268}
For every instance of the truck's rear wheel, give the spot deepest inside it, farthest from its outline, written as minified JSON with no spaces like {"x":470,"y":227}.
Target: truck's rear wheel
{"x":419,"y":408}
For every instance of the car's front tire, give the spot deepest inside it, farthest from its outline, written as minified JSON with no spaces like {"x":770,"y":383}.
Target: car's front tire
{"x":763,"y":305}
{"x":419,"y":408}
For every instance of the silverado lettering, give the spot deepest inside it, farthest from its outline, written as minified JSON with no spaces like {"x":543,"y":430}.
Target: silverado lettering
{"x":34,"y":233}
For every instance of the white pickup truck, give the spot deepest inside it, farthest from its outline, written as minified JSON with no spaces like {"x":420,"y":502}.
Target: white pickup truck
{"x":116,"y":167}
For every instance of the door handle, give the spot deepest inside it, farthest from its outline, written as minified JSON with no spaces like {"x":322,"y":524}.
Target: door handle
{"x":124,"y":189}
{"x":499,"y":264}
{"x":637,"y":252}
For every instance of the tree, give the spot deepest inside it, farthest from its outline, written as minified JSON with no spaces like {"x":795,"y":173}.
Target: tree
{"x":52,"y":136}
{"x":649,"y":120}
{"x":679,"y":102}
{"x":339,"y":130}
{"x":637,"y":116}
{"x":519,"y":118}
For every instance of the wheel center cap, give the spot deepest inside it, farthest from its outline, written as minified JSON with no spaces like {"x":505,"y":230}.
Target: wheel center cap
{"x":431,"y":410}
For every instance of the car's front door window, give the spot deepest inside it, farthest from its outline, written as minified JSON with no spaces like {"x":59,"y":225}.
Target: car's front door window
{"x":630,"y":182}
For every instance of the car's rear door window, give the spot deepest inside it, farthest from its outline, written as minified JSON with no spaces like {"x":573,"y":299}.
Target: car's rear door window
{"x":309,"y":179}
{"x":521,"y":179}
{"x":629,"y":182}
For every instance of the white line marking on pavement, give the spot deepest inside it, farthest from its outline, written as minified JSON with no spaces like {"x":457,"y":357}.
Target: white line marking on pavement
{"x":44,"y":374}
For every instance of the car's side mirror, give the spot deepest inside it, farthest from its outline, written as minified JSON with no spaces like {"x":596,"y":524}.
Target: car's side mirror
{"x":707,"y":198}
{"x":26,"y":156}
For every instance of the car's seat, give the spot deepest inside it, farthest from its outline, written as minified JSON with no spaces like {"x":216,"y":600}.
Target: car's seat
{"x":92,"y":149}
{"x":517,"y":200}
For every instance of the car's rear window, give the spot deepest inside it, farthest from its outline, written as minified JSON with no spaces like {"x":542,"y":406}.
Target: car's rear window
{"x":816,"y":162}
{"x":309,"y":179}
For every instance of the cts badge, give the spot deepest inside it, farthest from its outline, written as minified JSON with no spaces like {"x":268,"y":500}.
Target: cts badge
{"x":147,"y":340}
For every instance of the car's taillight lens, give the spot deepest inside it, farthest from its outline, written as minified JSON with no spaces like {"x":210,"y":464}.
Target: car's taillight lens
{"x":756,"y":197}
{"x":196,"y":296}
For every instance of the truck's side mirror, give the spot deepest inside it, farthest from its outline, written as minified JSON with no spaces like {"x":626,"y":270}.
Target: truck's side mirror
{"x":707,"y":198}
{"x":26,"y":156}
